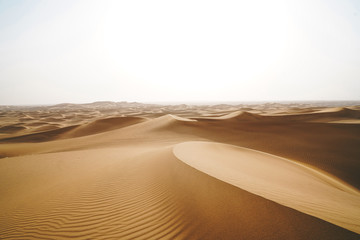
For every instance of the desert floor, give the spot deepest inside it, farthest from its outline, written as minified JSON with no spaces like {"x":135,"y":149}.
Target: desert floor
{"x":144,"y":171}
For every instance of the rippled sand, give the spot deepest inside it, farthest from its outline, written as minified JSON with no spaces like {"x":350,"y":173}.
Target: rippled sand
{"x":180,"y":172}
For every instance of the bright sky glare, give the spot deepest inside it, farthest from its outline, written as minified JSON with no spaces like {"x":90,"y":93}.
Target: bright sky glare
{"x":147,"y":51}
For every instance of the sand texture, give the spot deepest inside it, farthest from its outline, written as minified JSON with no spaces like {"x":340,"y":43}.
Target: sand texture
{"x":143,"y":171}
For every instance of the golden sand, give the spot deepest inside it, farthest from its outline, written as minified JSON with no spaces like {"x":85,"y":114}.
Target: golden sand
{"x":181,"y":172}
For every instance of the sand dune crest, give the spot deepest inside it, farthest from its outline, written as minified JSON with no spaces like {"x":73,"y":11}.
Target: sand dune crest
{"x":278,"y":179}
{"x":240,"y":115}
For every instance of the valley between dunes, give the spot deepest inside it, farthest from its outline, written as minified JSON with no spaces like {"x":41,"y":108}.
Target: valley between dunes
{"x":180,"y":172}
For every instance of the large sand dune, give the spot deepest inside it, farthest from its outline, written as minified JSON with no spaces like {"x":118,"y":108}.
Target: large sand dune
{"x":196,"y":172}
{"x":305,"y":189}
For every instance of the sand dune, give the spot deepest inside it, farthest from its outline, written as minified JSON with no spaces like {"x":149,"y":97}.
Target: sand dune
{"x":322,"y":115}
{"x":175,"y":176}
{"x":339,"y":115}
{"x":281,"y":180}
{"x":39,"y":136}
{"x":11,"y":128}
{"x":182,"y":118}
{"x":137,"y":192}
{"x":165,"y":122}
{"x":242,"y":116}
{"x":112,"y":198}
{"x":235,"y":116}
{"x":46,"y":127}
{"x":102,"y":125}
{"x":95,"y":127}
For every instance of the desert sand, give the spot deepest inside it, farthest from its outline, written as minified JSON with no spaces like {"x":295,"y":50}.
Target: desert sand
{"x":144,"y":171}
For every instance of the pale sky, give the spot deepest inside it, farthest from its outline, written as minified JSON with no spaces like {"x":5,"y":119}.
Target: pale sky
{"x":162,"y":51}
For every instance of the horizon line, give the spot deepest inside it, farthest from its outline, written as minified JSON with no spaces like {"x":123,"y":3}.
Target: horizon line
{"x":204,"y":102}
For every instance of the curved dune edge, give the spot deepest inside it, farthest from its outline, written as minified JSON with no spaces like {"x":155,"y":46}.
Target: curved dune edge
{"x":280,"y":180}
{"x":182,"y":118}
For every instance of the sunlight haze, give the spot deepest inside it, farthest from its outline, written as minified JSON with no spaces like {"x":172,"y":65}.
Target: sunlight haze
{"x":146,"y":51}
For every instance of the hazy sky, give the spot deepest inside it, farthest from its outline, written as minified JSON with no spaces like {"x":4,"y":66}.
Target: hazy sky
{"x":84,"y":51}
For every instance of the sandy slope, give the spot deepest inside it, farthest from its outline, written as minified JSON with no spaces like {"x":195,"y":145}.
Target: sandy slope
{"x":125,"y":177}
{"x":281,"y":180}
{"x":138,"y":192}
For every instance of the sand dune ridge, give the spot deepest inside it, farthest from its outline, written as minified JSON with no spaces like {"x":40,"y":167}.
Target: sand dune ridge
{"x":278,"y":179}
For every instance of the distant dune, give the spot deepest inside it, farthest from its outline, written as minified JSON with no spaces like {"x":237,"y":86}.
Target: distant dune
{"x":11,"y":128}
{"x":102,"y":125}
{"x":144,"y":171}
